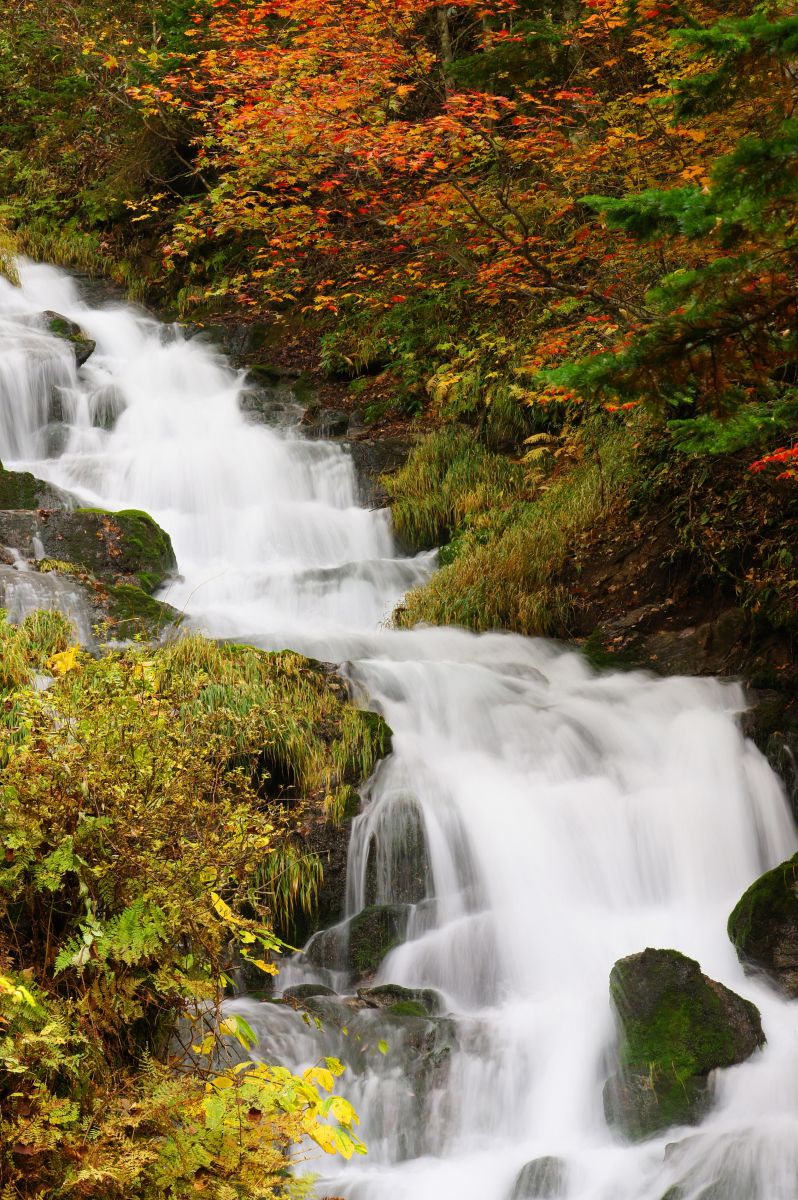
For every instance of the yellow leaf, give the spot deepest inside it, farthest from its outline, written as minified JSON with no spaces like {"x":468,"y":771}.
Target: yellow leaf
{"x":67,"y":660}
{"x":321,"y":1076}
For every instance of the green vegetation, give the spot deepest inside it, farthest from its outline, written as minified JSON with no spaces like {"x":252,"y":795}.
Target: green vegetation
{"x":21,"y":490}
{"x":151,"y":802}
{"x":507,"y":548}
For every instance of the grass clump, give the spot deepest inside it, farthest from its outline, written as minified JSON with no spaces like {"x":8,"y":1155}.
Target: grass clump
{"x":26,"y":647}
{"x":508,"y":552}
{"x":450,"y":480}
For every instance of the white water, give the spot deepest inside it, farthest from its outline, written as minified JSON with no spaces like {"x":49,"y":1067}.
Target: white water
{"x":569,"y":818}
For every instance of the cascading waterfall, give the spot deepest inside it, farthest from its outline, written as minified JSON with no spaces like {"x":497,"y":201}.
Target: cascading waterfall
{"x":535,"y":822}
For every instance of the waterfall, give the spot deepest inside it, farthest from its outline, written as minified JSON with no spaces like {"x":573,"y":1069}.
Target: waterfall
{"x":536,"y":821}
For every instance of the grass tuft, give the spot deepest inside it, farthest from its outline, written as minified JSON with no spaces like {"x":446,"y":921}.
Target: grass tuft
{"x":503,"y":564}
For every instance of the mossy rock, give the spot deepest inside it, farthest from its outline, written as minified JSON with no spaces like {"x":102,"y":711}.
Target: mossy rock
{"x":373,"y":933}
{"x":21,"y":491}
{"x":360,"y":944}
{"x":402,"y":1001}
{"x":305,"y":991}
{"x":114,"y":547}
{"x":125,"y":547}
{"x":676,"y":1026}
{"x":61,"y":327}
{"x":130,"y":543}
{"x":132,"y":613}
{"x":764,"y":926}
{"x":540,"y":1179}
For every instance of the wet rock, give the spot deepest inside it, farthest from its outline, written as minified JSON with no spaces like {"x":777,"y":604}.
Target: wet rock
{"x":764,"y":926}
{"x":397,"y":855}
{"x":19,"y":490}
{"x":130,"y":613}
{"x":402,"y":1001}
{"x":772,"y":723}
{"x":108,"y":404}
{"x":373,"y":933}
{"x":372,"y":460}
{"x":360,"y":944}
{"x":326,"y":423}
{"x":712,"y":1168}
{"x":274,"y":403}
{"x":305,"y":991}
{"x":540,"y":1178}
{"x":124,"y":547}
{"x":68,"y":331}
{"x":675,"y":1026}
{"x":636,"y":639}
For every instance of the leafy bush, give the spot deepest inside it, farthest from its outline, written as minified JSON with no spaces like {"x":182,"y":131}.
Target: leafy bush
{"x":150,"y":803}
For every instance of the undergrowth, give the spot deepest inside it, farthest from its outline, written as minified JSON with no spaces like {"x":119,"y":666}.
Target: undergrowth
{"x":507,"y":548}
{"x":151,"y":804}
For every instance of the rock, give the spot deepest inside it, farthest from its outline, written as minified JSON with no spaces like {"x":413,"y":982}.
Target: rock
{"x":540,"y":1178}
{"x":326,"y":423}
{"x":19,"y":490}
{"x":304,"y":991}
{"x":108,"y":404}
{"x":68,"y":331}
{"x":764,"y":926}
{"x":372,"y":460}
{"x":402,"y":1001}
{"x":130,"y":613}
{"x":772,"y":723}
{"x":713,"y":1168}
{"x":373,"y":933}
{"x":123,"y":547}
{"x":360,"y":944}
{"x":676,"y":1026}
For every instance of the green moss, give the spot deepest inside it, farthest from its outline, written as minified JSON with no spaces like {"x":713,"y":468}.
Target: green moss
{"x":671,"y":1015}
{"x":603,"y":657}
{"x":134,"y":544}
{"x":676,"y":1026}
{"x":373,"y":933}
{"x":135,"y":614}
{"x":408,"y":1008}
{"x":19,"y":490}
{"x":770,"y":904}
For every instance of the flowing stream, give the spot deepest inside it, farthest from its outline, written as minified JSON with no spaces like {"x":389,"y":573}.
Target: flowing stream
{"x":535,"y":822}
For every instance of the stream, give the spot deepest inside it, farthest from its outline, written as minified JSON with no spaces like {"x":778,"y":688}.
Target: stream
{"x":536,"y":821}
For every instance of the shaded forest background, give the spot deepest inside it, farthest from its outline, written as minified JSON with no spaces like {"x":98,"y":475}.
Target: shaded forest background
{"x":559,"y":238}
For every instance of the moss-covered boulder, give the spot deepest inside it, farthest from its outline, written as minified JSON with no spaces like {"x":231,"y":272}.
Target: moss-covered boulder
{"x":123,"y":547}
{"x":61,"y":327}
{"x":675,"y":1027}
{"x":373,"y":933}
{"x":402,"y":1001}
{"x":305,"y":991}
{"x":360,"y":944}
{"x":764,"y":926}
{"x":19,"y":490}
{"x":540,"y":1179}
{"x":128,"y":612}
